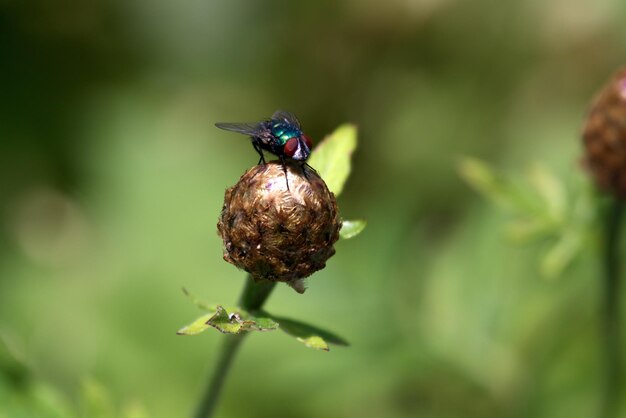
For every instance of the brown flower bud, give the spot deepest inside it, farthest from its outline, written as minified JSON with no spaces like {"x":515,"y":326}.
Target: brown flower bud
{"x":278,"y":234}
{"x":604,"y":137}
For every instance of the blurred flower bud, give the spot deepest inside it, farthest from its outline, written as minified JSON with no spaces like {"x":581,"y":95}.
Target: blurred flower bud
{"x":604,"y":136}
{"x":278,"y":234}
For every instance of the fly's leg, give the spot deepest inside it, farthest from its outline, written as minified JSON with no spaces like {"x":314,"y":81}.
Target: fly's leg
{"x":306,"y":166}
{"x":257,"y":148}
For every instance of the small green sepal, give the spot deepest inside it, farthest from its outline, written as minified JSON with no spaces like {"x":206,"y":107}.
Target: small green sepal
{"x":350,"y":229}
{"x":332,"y":157}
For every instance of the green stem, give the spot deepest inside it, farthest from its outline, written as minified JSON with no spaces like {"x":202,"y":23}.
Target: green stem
{"x":252,"y":299}
{"x":612,"y":336}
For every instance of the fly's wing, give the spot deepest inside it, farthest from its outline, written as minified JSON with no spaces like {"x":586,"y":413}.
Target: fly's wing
{"x":250,"y":129}
{"x":287,"y":116}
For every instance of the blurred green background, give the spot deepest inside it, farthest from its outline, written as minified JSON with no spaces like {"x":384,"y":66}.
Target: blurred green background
{"x":112,"y":177}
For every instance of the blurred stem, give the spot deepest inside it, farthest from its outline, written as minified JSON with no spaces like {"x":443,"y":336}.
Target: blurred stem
{"x":611,"y":327}
{"x":252,"y":299}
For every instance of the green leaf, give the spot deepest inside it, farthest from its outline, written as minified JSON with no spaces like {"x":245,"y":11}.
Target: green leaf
{"x":561,"y":254}
{"x":256,"y":323}
{"x":310,"y":335}
{"x":482,"y":178}
{"x":543,"y":209}
{"x":235,"y":320}
{"x":225,"y":322}
{"x":525,"y":230}
{"x":314,"y":342}
{"x":197,"y":326}
{"x":229,"y":321}
{"x":350,"y":229}
{"x":551,"y":190}
{"x":331,"y":158}
{"x":199,"y":303}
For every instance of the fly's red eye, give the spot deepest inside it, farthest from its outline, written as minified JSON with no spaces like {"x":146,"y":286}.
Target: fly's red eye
{"x":291,"y":146}
{"x":307,"y":141}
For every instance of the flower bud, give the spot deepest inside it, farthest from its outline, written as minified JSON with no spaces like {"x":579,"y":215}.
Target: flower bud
{"x":604,"y":137}
{"x":279,"y":226}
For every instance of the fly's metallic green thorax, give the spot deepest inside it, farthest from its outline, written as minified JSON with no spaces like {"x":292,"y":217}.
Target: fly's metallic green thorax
{"x":283,"y":131}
